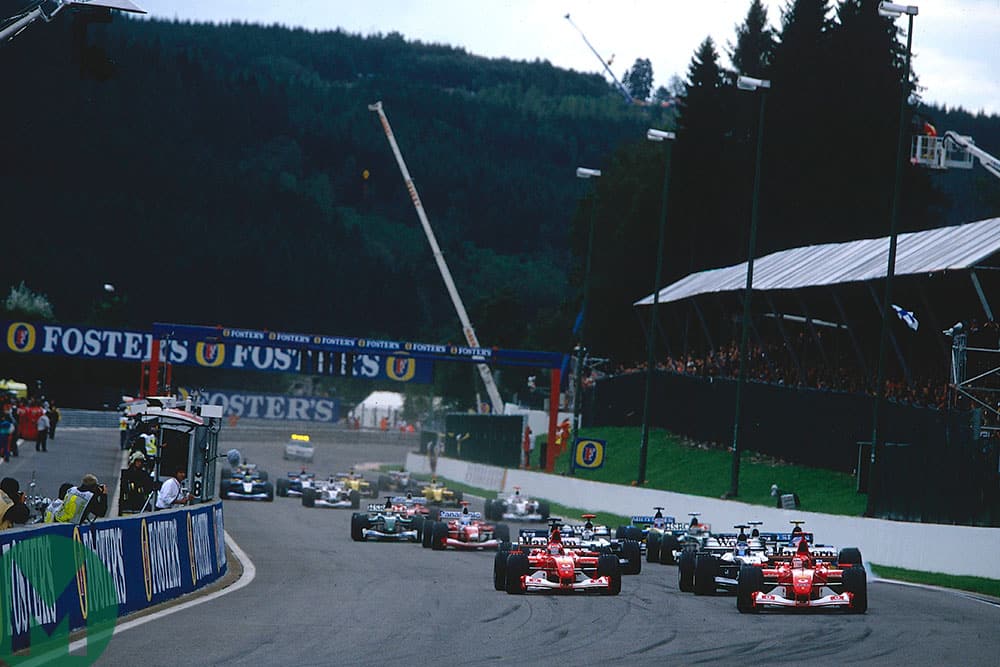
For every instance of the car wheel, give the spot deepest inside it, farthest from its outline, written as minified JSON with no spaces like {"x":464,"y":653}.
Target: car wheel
{"x":355,"y":499}
{"x":226,"y":474}
{"x":269,"y":490}
{"x":502,"y":532}
{"x":685,"y":572}
{"x":668,"y":546}
{"x":384,"y":482}
{"x":751,"y":580}
{"x":434,"y":514}
{"x":607,"y":566}
{"x":517,"y":567}
{"x":652,"y":547}
{"x":223,"y":488}
{"x":309,"y":497}
{"x":620,"y":532}
{"x":500,"y":570}
{"x":262,"y":475}
{"x":359,"y":522}
{"x":281,"y":488}
{"x":632,"y":552}
{"x":543,"y":509}
{"x":633,"y":533}
{"x":488,"y":509}
{"x":425,"y":537}
{"x":856,"y":582}
{"x":458,"y":497}
{"x":849,"y":556}
{"x":704,"y":575}
{"x":438,"y":535}
{"x":418,"y":525}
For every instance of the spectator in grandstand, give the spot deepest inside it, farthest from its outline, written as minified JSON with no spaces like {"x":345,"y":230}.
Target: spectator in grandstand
{"x":170,"y":493}
{"x":13,"y":510}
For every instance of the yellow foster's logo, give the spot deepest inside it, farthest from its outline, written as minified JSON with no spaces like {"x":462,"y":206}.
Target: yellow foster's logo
{"x":209,"y":354}
{"x":401,"y":369}
{"x":21,"y":337}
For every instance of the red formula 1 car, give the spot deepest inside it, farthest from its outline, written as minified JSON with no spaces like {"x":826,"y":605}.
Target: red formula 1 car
{"x":463,"y":530}
{"x":800,"y":578}
{"x":557,"y":568}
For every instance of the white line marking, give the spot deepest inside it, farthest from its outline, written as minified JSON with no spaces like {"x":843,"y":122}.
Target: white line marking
{"x":940,"y":589}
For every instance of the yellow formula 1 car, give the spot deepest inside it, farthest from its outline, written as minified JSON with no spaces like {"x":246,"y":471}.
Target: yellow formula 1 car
{"x":357,"y":482}
{"x":439,"y":494}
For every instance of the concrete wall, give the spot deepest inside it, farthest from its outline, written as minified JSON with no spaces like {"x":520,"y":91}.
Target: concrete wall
{"x":966,"y":550}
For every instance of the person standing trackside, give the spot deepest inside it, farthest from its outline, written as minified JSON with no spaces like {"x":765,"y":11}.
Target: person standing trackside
{"x":170,"y":492}
{"x":6,"y":436}
{"x":43,"y":433}
{"x":54,"y":417}
{"x":123,"y":431}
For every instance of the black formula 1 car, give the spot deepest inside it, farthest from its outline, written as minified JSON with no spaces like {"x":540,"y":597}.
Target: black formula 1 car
{"x":245,"y":482}
{"x":383,"y":523}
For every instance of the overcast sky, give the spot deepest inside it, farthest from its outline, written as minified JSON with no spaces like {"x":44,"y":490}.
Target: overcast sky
{"x":955,"y":42}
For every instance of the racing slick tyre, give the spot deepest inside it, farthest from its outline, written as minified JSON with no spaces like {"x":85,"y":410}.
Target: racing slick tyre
{"x":434,"y":514}
{"x":355,"y":498}
{"x":262,"y":475}
{"x":384,"y":482}
{"x":607,"y":566}
{"x":751,"y":580}
{"x":543,"y":509}
{"x":704,"y":575}
{"x":281,"y":488}
{"x":439,"y":533}
{"x":631,"y":552}
{"x":309,"y":497}
{"x":668,"y":546}
{"x":517,"y":566}
{"x":856,"y":582}
{"x":652,"y":547}
{"x":269,"y":490}
{"x":373,"y":490}
{"x":502,"y":532}
{"x":427,"y":534}
{"x":359,"y":522}
{"x":620,"y":533}
{"x":633,"y":533}
{"x":226,"y":473}
{"x":685,"y":572}
{"x":223,"y":487}
{"x":458,"y":497}
{"x":500,"y":570}
{"x":491,"y":510}
{"x":418,"y":525}
{"x":849,"y":556}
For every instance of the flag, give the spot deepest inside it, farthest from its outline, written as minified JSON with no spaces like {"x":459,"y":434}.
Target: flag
{"x":909,"y":318}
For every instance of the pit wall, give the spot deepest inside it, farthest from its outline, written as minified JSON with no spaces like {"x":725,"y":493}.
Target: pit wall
{"x":151,"y":558}
{"x":916,"y":546}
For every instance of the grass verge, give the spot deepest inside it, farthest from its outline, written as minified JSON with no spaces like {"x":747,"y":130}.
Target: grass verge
{"x":674,"y":465}
{"x":980,"y":585}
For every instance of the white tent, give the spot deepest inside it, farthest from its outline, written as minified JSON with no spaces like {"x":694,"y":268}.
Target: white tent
{"x":377,"y":405}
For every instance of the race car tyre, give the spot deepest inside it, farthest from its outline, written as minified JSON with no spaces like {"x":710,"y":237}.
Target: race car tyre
{"x":543,"y":509}
{"x":620,"y":533}
{"x":488,"y":509}
{"x":685,"y":571}
{"x":500,"y":570}
{"x":458,"y":496}
{"x":632,"y":552}
{"x":384,"y":482}
{"x":281,"y":488}
{"x":223,"y":487}
{"x":261,"y":475}
{"x":607,"y":566}
{"x":849,"y":556}
{"x":354,"y":497}
{"x":359,"y":522}
{"x":226,"y":473}
{"x":517,"y":567}
{"x":633,"y":533}
{"x":309,"y":497}
{"x":418,"y":525}
{"x":434,"y":514}
{"x":373,"y":491}
{"x":502,"y":532}
{"x":425,"y":537}
{"x":439,"y":534}
{"x":668,"y":546}
{"x":704,"y":575}
{"x":653,"y":547}
{"x":856,"y":582}
{"x":751,"y":580}
{"x":269,"y":490}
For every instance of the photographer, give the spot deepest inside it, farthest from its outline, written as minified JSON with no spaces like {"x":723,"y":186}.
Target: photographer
{"x":98,"y":505}
{"x":13,"y":510}
{"x":170,"y":492}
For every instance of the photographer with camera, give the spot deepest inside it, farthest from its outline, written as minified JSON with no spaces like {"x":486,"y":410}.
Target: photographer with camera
{"x":13,"y":510}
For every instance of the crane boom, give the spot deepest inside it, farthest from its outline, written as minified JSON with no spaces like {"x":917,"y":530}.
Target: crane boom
{"x":622,"y":89}
{"x":470,"y":333}
{"x":989,"y":163}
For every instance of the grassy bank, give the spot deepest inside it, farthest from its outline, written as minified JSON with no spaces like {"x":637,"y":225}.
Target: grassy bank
{"x":963,"y":583}
{"x":673,"y":465}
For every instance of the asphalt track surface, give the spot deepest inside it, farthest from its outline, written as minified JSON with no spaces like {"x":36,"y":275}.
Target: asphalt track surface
{"x":320,"y":599}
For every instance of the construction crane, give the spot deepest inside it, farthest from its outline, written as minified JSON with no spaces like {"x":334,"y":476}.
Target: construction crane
{"x":470,"y":334}
{"x":11,"y":27}
{"x":604,"y":63}
{"x":951,"y":150}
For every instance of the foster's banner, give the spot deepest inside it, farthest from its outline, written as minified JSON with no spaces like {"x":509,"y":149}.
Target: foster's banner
{"x":270,"y":406}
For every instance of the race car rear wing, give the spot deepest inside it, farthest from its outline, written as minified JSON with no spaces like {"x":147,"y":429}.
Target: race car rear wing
{"x":454,"y":514}
{"x":403,"y":500}
{"x":532,"y":536}
{"x":648,"y":520}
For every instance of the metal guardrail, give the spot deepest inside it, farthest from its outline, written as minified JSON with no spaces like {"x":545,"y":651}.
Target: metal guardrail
{"x":70,"y":418}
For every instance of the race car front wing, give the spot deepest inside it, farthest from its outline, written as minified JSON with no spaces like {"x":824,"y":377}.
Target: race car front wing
{"x":401,"y":536}
{"x":538,"y":582}
{"x":761,"y":599}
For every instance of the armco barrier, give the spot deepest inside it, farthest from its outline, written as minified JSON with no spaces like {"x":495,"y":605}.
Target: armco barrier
{"x":916,"y":546}
{"x":151,"y":558}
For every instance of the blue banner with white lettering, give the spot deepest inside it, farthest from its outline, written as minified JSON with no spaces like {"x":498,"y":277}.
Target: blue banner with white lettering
{"x":56,"y":578}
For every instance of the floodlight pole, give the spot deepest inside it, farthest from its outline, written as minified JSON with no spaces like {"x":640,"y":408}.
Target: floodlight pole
{"x":654,"y":135}
{"x":747,"y":83}
{"x":891,"y":11}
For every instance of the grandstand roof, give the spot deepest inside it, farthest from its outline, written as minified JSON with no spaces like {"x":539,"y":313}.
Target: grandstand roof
{"x":946,"y":248}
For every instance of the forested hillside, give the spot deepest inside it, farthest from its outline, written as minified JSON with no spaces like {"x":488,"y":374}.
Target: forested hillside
{"x":234,"y":174}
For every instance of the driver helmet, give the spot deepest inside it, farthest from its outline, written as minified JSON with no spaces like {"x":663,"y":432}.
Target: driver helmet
{"x":555,"y":548}
{"x":797,"y":563}
{"x":409,"y":495}
{"x":742,"y":548}
{"x":517,"y":490}
{"x":465,"y":514}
